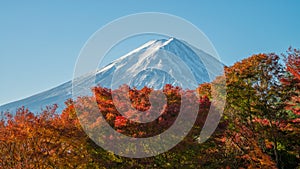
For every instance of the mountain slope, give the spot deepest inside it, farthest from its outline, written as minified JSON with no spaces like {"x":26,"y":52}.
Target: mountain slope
{"x":154,"y":64}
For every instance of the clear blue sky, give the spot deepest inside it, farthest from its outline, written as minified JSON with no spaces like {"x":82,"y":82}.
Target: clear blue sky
{"x":40,"y":40}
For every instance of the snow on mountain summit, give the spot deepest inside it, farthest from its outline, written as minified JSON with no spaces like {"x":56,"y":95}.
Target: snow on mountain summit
{"x":169,"y":59}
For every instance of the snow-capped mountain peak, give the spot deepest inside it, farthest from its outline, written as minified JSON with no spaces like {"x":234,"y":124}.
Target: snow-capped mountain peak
{"x":153,"y":64}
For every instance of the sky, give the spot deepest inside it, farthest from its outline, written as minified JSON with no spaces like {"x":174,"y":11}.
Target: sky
{"x":41,"y":40}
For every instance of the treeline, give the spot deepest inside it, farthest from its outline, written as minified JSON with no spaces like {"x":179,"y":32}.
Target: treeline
{"x":259,"y":128}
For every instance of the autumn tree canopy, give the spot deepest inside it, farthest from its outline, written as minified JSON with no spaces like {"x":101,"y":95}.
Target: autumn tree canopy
{"x":260,"y":127}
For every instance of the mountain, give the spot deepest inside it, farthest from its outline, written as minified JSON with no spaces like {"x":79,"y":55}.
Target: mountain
{"x":154,"y":64}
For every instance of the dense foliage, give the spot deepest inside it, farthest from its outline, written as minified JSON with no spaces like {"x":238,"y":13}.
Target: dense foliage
{"x":260,"y":127}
